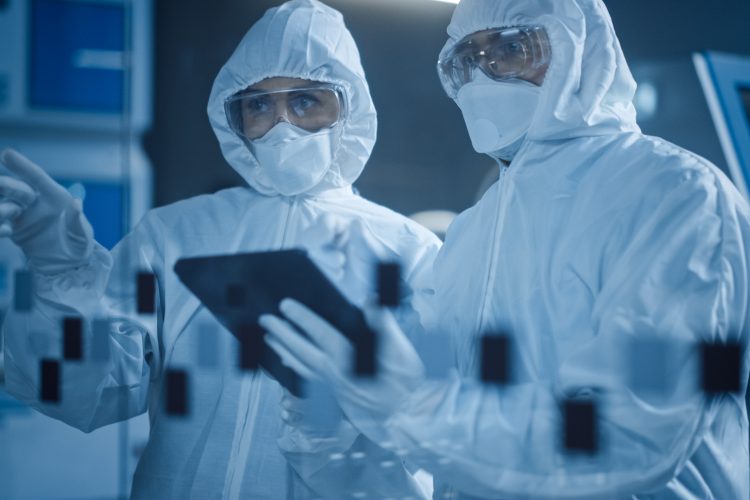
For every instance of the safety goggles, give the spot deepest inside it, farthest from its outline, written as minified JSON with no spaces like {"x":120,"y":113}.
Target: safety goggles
{"x":500,"y":53}
{"x":252,"y":113}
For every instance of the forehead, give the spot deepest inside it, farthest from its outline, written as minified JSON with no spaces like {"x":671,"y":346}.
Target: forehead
{"x":282,"y":83}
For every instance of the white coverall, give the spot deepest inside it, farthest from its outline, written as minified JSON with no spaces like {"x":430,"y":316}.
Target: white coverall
{"x":227,"y":446}
{"x":595,"y":238}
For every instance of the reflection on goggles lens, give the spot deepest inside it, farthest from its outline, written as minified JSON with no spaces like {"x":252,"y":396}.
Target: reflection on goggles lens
{"x":252,"y":114}
{"x":501,"y":54}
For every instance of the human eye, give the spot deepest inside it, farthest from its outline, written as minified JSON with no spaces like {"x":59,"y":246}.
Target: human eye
{"x":513,"y":46}
{"x":466,"y":53}
{"x":510,"y":51}
{"x":303,"y":101}
{"x":468,"y":59}
{"x":256,"y":104}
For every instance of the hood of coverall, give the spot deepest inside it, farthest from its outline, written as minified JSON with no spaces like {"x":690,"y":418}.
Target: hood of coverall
{"x":588,"y":89}
{"x":299,"y":39}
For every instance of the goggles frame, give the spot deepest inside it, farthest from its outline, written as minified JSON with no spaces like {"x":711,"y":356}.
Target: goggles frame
{"x":235,"y":118}
{"x":456,"y":68}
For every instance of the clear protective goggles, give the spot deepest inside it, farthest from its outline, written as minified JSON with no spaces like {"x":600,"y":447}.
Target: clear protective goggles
{"x":252,"y":113}
{"x":500,"y":53}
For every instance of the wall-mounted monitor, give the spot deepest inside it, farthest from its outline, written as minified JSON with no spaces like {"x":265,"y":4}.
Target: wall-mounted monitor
{"x":77,"y":65}
{"x":77,"y":57}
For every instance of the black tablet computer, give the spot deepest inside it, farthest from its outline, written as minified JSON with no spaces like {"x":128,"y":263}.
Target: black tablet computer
{"x":239,"y":288}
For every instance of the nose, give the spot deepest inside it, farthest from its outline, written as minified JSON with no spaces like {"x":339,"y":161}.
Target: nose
{"x":281,"y":113}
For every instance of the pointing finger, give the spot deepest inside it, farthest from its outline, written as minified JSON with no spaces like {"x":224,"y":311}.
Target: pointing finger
{"x":27,"y":170}
{"x":16,"y":191}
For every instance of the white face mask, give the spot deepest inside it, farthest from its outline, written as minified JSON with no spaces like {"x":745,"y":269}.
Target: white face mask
{"x":498,"y":114}
{"x":293,"y":159}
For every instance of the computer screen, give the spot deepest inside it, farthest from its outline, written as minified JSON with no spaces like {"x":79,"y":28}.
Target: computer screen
{"x":76,"y":57}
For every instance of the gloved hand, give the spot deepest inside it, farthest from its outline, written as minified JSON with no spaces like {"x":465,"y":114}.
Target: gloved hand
{"x":317,"y":415}
{"x":327,"y":356}
{"x":42,"y":218}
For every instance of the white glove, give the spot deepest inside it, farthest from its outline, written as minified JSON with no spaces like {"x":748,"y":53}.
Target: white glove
{"x":327,"y":356}
{"x":314,"y":416}
{"x":42,"y":218}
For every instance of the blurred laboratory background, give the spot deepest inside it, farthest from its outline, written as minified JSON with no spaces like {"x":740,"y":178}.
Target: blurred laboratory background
{"x":110,"y":97}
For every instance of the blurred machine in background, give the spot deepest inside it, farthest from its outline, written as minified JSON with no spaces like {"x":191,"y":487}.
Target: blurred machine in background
{"x":671,"y":104}
{"x":75,"y":97}
{"x":726,"y":82}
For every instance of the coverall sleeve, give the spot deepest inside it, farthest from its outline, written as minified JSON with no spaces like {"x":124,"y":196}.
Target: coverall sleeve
{"x":92,"y":393}
{"x":681,"y":276}
{"x":342,"y":461}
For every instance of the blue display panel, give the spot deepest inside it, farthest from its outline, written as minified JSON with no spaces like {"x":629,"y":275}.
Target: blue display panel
{"x":76,"y":56}
{"x":103,"y":206}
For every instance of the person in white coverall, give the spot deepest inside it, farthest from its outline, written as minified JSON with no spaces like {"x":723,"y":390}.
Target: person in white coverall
{"x":597,"y":241}
{"x":293,"y":115}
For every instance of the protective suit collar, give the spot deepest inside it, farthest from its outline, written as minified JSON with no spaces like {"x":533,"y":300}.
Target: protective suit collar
{"x":299,"y":39}
{"x":589,"y":89}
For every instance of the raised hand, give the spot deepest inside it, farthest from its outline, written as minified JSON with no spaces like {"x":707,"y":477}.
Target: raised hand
{"x":41,"y":217}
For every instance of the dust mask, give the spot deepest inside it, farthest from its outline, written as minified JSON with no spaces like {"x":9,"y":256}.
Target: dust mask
{"x":292,"y":159}
{"x":498,"y":114}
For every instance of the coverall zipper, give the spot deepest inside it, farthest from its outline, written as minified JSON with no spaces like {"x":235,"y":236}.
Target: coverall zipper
{"x":241,"y":448}
{"x":497,"y":233}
